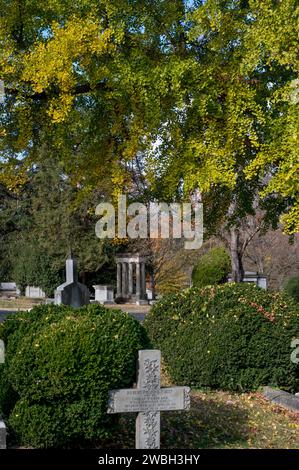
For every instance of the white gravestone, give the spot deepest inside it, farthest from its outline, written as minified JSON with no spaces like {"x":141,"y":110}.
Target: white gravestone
{"x":104,"y":294}
{"x":9,"y":289}
{"x":148,"y":399}
{"x":254,"y":277}
{"x":33,"y":292}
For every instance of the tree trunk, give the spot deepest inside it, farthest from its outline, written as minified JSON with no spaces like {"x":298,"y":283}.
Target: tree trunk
{"x":236,"y":255}
{"x":153,"y":284}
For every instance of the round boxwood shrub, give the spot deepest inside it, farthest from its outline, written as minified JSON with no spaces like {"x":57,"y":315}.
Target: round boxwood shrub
{"x":292,"y":288}
{"x":212,"y":268}
{"x":60,"y":364}
{"x":231,"y":337}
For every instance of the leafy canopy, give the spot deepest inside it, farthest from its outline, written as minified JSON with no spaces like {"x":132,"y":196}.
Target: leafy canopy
{"x":209,"y":94}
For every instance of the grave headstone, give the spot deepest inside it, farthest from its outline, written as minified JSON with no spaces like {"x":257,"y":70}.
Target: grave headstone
{"x":253,"y":277}
{"x":148,"y":399}
{"x":72,"y":292}
{"x":2,"y":435}
{"x":104,"y":294}
{"x":33,"y":292}
{"x":150,"y":294}
{"x":9,"y":289}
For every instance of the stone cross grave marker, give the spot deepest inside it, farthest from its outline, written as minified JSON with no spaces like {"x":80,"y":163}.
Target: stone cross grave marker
{"x":148,"y":399}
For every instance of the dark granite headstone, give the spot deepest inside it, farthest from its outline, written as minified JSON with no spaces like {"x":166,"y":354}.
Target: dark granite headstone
{"x":72,"y":292}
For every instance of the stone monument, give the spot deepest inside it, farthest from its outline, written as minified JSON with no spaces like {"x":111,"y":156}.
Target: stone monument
{"x":33,"y":292}
{"x":2,"y":435}
{"x":131,"y":280}
{"x":104,"y":294}
{"x":256,"y":278}
{"x":148,"y":399}
{"x":72,"y":292}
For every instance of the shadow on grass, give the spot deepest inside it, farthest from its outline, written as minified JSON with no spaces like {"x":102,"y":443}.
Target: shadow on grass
{"x":208,"y":424}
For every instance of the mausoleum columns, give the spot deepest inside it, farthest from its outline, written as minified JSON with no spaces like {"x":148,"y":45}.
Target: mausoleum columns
{"x":138,"y":286}
{"x":143,"y":279}
{"x":124,"y":278}
{"x":131,"y":277}
{"x":119,"y":283}
{"x":130,"y":280}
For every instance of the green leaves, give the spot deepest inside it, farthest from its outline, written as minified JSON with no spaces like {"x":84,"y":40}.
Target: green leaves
{"x":204,"y":96}
{"x":212,"y":268}
{"x":238,"y":126}
{"x":60,"y":365}
{"x":229,"y":337}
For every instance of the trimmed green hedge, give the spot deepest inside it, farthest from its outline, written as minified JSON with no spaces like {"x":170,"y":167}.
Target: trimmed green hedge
{"x":231,"y":337}
{"x":212,"y":268}
{"x":60,"y":364}
{"x":292,"y":288}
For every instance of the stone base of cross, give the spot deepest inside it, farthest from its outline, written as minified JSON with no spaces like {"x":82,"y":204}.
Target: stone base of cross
{"x":148,"y":399}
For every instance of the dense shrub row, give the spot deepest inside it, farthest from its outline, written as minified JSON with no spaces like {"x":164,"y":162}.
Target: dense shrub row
{"x":60,"y":364}
{"x":292,"y":288}
{"x":233,"y":337}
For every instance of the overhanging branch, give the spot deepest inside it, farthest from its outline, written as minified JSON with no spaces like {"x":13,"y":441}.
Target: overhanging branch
{"x":45,"y":95}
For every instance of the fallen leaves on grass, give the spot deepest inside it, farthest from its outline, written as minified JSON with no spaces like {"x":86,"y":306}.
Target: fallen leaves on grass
{"x":221,"y":420}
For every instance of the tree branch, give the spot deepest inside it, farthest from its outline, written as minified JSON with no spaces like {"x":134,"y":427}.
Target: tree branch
{"x":45,"y":95}
{"x":249,"y":238}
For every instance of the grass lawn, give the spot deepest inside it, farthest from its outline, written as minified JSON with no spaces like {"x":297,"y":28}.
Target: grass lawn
{"x":221,"y":420}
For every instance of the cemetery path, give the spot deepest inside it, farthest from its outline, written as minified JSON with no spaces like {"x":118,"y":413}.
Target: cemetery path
{"x":4,"y":313}
{"x":138,"y":316}
{"x":137,"y":311}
